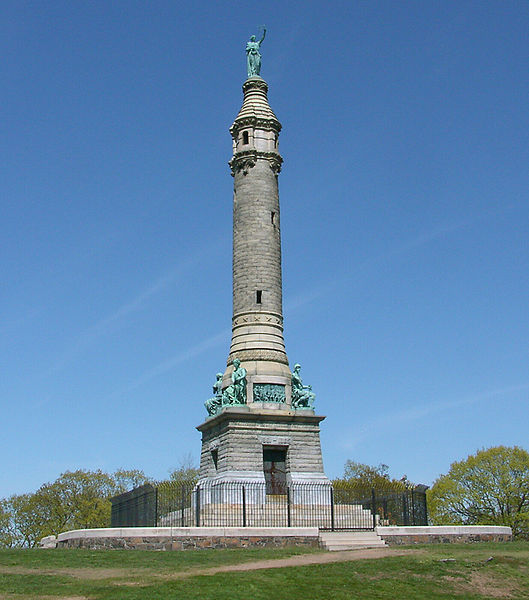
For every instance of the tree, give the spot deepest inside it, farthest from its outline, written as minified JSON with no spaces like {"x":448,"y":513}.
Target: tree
{"x":490,"y":487}
{"x":22,"y":525}
{"x":368,"y":477}
{"x":5,"y":537}
{"x":128,"y":479}
{"x":75,"y":500}
{"x":186,"y":472}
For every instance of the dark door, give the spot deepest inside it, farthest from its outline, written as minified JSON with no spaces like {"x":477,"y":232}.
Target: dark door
{"x":275,"y":470}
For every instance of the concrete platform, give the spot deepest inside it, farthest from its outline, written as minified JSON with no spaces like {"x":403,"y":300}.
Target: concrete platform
{"x":444,"y":534}
{"x":184,"y":538}
{"x":350,"y":540}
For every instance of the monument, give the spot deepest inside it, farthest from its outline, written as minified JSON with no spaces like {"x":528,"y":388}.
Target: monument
{"x":261,"y":424}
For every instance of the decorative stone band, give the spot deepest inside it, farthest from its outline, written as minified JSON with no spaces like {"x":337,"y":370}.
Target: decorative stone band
{"x":269,"y":392}
{"x":245,"y":160}
{"x":255,"y":82}
{"x":256,"y":123}
{"x":246,"y":318}
{"x":256,"y":354}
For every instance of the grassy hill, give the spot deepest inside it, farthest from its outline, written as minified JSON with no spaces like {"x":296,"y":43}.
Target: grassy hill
{"x":445,"y":571}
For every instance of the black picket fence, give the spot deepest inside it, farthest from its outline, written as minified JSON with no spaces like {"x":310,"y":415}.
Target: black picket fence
{"x":246,"y":504}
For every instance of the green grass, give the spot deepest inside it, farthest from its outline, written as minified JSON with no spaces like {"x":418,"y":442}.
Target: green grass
{"x":142,"y":559}
{"x":135,"y":575}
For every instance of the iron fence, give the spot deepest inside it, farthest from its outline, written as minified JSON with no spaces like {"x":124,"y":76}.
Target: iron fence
{"x":247,"y":504}
{"x":136,"y":508}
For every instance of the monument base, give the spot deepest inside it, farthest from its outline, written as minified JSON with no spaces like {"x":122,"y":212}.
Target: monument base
{"x":256,"y":444}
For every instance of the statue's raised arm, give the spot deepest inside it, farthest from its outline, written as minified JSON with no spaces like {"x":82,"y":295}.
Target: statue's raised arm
{"x":253,"y":55}
{"x":264,"y":34}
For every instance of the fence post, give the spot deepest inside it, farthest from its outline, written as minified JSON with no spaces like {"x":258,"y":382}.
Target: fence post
{"x":405,"y":509}
{"x":197,"y":506}
{"x":182,"y":505}
{"x":243,"y":506}
{"x":332,"y":508}
{"x":412,"y":508}
{"x":289,"y":522}
{"x":155,"y":524}
{"x":373,"y":507}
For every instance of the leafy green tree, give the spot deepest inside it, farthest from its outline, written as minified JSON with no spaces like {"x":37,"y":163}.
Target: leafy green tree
{"x":75,"y":500}
{"x":186,"y":472}
{"x":490,"y":487}
{"x":22,"y":525}
{"x":362,"y":476}
{"x":5,"y":537}
{"x":128,"y":479}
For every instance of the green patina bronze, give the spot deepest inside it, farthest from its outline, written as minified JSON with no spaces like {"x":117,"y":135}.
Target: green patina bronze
{"x":234,"y":394}
{"x":302,"y":395}
{"x":268,"y":392}
{"x":253,"y":56}
{"x":213,"y":405}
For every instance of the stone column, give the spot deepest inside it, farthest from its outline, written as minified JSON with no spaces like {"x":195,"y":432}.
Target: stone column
{"x":257,"y":326}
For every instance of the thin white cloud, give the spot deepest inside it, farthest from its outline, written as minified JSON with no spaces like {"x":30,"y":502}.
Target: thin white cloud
{"x":170,"y":363}
{"x":377,"y":426}
{"x":140,"y":301}
{"x":307,"y":296}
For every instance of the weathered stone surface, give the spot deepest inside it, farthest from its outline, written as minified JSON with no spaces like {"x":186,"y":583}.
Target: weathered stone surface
{"x":397,"y":536}
{"x":257,"y":323}
{"x":50,"y":541}
{"x":257,"y":333}
{"x":239,"y":435}
{"x":193,"y":538}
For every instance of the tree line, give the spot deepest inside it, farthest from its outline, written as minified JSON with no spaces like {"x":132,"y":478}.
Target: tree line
{"x":75,"y":500}
{"x":490,"y":487}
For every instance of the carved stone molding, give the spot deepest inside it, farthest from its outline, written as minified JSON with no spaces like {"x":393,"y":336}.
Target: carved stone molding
{"x":275,"y":165}
{"x":275,"y":440}
{"x":245,"y":160}
{"x":261,"y":318}
{"x":255,"y":123}
{"x":255,"y":82}
{"x":256,"y":354}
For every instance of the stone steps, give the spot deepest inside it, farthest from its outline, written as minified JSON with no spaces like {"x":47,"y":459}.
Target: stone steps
{"x":350,"y":540}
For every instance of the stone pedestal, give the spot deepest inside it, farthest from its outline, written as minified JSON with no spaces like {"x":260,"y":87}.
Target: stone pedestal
{"x":234,"y":441}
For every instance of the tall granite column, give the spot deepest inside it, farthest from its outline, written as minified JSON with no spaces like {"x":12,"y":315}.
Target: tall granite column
{"x":257,"y":326}
{"x":261,"y":425}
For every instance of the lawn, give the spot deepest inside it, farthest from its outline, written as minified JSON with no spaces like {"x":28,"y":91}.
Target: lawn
{"x":450,"y":571}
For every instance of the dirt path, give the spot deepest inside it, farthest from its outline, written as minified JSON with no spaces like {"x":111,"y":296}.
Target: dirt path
{"x":274,"y":563}
{"x":300,"y":560}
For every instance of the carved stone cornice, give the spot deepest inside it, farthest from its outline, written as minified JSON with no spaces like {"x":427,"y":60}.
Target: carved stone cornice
{"x":255,"y":82}
{"x":255,"y":123}
{"x":243,"y":161}
{"x":251,"y":317}
{"x":256,"y":354}
{"x":275,"y":163}
{"x":246,"y":159}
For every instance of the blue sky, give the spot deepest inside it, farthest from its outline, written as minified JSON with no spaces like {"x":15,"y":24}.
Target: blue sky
{"x":405,"y":215}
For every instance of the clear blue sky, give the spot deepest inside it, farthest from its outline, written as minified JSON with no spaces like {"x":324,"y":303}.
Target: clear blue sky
{"x":405,"y":220}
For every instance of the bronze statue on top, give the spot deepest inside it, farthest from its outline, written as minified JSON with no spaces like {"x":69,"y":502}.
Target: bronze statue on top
{"x":253,"y":55}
